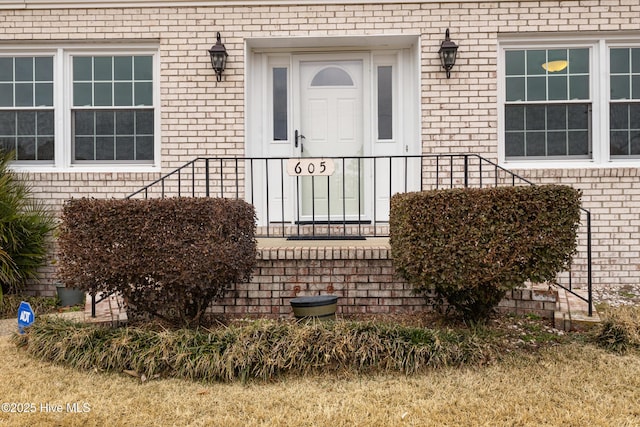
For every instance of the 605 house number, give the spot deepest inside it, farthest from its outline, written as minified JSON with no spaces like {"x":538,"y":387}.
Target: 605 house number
{"x":310,"y":167}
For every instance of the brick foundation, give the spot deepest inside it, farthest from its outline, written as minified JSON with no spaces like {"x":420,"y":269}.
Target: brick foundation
{"x":361,"y":276}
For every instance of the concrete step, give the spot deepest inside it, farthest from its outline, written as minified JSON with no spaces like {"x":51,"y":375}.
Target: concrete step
{"x":108,"y":311}
{"x":572,"y":313}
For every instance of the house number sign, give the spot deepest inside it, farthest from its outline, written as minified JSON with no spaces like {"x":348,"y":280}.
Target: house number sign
{"x":310,"y":167}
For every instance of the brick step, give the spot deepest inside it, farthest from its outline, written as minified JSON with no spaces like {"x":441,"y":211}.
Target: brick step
{"x":359,"y":273}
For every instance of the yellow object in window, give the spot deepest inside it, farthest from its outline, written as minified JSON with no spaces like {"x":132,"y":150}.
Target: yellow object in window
{"x":555,"y":66}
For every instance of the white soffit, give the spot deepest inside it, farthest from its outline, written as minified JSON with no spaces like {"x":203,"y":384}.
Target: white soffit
{"x":311,"y":43}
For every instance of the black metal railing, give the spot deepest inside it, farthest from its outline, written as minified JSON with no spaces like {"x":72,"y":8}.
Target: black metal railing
{"x":345,"y":197}
{"x":301,"y":206}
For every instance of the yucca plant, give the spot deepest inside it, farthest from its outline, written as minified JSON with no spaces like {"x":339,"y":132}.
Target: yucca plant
{"x":25,"y":224}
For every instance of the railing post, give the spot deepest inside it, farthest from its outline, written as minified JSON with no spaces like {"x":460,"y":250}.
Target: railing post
{"x":360,"y":195}
{"x":375,"y":196}
{"x":466,"y":171}
{"x":237,"y":181}
{"x":221,"y":178}
{"x":206,"y":177}
{"x":193,"y":179}
{"x":266,"y":182}
{"x":281,"y":201}
{"x":589,"y":283}
{"x":451,"y":169}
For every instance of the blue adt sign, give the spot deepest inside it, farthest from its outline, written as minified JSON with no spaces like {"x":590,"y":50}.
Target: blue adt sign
{"x":25,"y":316}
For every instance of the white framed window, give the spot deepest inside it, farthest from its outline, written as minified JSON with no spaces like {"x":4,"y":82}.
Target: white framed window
{"x":572,"y":103}
{"x":624,"y":104}
{"x":27,"y":114}
{"x":81,"y":107}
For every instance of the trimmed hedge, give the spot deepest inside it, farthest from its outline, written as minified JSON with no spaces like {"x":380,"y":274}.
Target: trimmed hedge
{"x":168,"y":257}
{"x":470,"y":246}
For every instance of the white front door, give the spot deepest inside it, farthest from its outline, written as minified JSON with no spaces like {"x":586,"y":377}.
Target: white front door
{"x":331,"y":123}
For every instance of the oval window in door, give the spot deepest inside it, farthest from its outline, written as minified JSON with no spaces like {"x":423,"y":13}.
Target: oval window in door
{"x":332,"y":76}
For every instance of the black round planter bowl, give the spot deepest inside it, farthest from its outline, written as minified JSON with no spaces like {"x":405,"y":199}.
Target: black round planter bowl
{"x":322,"y":307}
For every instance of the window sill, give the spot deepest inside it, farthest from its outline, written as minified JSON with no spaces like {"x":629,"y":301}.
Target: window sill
{"x":569,"y":164}
{"x":104,"y":168}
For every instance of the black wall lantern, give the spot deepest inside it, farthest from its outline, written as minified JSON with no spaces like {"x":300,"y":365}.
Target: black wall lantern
{"x":448,"y":51}
{"x":218,"y":55}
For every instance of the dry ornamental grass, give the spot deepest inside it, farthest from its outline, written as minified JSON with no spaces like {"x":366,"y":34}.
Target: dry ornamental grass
{"x":620,"y":329}
{"x":541,"y":379}
{"x":260,"y":349}
{"x":567,"y":385}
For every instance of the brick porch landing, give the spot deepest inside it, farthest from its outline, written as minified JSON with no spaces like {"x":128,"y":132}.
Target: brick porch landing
{"x":360,"y":273}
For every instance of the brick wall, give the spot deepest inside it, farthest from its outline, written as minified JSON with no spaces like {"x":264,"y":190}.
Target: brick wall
{"x":361,"y":277}
{"x":202,"y":118}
